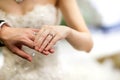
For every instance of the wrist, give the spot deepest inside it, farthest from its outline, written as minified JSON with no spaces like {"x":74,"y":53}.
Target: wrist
{"x":3,"y":25}
{"x":69,"y":32}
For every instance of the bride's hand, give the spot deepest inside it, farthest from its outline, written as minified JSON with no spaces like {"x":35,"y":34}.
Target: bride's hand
{"x":48,"y":36}
{"x":14,"y":38}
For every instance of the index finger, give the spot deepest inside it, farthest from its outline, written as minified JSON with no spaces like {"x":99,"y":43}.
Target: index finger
{"x":21,"y":53}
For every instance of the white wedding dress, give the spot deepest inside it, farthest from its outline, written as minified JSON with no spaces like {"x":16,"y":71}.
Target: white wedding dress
{"x":65,"y":64}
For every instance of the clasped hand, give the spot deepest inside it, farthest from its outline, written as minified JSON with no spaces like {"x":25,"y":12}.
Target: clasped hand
{"x":43,"y":41}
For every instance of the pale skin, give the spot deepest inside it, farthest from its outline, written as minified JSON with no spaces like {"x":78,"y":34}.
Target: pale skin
{"x":76,"y":33}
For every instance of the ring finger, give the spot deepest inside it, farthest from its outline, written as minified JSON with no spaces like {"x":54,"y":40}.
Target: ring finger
{"x":45,"y":43}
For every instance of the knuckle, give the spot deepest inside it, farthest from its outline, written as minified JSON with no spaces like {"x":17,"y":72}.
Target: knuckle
{"x":14,"y":51}
{"x":37,"y":45}
{"x":22,"y":39}
{"x":47,"y":39}
{"x":27,"y":31}
{"x":41,"y":48}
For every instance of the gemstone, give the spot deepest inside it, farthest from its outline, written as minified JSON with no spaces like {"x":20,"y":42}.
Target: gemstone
{"x":19,"y":1}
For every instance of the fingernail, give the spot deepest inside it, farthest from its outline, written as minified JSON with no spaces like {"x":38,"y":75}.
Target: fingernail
{"x":45,"y":52}
{"x":40,"y":50}
{"x":30,"y":59}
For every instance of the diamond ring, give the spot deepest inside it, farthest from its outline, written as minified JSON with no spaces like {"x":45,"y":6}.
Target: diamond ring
{"x":51,"y":34}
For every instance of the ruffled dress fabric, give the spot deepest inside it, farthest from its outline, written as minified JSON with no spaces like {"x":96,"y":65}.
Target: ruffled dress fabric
{"x":65,"y":64}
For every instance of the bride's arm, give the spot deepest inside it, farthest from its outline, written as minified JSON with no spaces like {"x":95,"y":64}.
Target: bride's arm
{"x":79,"y":36}
{"x":77,"y":33}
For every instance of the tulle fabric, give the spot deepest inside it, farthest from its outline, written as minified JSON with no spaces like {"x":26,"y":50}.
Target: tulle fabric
{"x":65,"y":64}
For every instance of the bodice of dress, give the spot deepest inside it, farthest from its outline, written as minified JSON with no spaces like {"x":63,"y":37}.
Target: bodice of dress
{"x":40,"y":15}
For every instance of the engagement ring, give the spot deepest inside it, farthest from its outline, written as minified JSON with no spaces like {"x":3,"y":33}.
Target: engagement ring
{"x":51,"y":34}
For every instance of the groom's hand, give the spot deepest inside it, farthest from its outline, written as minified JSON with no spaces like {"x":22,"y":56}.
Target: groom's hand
{"x":14,"y":38}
